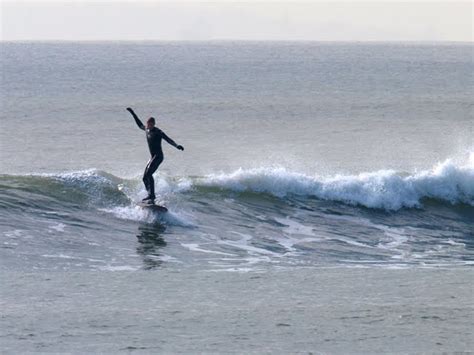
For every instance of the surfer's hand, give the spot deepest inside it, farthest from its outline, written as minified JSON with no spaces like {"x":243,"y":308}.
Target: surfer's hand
{"x":180,"y":147}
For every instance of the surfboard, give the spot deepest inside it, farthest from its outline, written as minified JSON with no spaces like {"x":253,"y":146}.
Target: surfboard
{"x":153,"y":207}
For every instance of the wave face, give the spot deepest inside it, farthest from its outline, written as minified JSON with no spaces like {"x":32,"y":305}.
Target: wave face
{"x":89,"y":187}
{"x":384,"y":189}
{"x":240,"y":220}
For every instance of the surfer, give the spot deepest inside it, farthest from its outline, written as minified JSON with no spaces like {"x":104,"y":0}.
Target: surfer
{"x":154,"y":135}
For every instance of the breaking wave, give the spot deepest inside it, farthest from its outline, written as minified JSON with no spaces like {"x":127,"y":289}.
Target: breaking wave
{"x":386,"y":189}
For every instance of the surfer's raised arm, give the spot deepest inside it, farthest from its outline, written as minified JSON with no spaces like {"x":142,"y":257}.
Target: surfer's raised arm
{"x":170,"y":141}
{"x":137,"y":120}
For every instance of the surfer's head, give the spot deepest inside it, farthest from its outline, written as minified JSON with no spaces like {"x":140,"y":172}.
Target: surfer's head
{"x":150,"y":123}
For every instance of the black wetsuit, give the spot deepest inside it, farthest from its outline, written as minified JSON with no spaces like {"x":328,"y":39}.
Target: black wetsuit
{"x":154,"y":137}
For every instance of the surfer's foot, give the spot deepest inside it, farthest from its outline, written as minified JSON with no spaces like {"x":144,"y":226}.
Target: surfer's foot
{"x":148,"y":199}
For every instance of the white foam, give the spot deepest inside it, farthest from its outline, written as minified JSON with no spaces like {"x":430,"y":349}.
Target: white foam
{"x":85,"y":178}
{"x":132,"y":213}
{"x":164,"y":186}
{"x":118,"y":268}
{"x":60,"y":256}
{"x":168,"y":258}
{"x":454,"y":243}
{"x":14,"y":233}
{"x":196,"y":247}
{"x":136,"y":213}
{"x":385,"y":189}
{"x":236,"y":269}
{"x":243,"y":244}
{"x":294,"y":227}
{"x":288,"y":243}
{"x":397,"y":236}
{"x":59,"y":227}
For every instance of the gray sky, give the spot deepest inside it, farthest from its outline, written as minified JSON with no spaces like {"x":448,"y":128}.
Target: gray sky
{"x":251,"y":20}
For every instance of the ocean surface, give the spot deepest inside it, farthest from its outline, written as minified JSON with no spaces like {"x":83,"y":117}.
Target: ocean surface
{"x":298,"y":155}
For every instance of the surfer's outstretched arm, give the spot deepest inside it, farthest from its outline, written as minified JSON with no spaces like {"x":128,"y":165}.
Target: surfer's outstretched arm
{"x":170,"y":141}
{"x":137,"y":120}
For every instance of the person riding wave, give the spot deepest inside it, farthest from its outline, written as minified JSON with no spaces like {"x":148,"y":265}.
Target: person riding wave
{"x":154,"y":136}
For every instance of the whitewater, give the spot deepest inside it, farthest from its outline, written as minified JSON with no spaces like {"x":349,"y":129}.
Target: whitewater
{"x":384,"y":189}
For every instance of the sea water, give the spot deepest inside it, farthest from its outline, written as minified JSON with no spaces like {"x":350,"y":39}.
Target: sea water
{"x":298,"y":155}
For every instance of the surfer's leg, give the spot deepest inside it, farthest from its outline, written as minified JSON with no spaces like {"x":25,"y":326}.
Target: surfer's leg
{"x":148,"y":180}
{"x":154,"y":164}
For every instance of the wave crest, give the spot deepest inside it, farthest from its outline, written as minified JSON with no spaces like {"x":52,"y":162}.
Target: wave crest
{"x":384,"y":189}
{"x":90,"y":187}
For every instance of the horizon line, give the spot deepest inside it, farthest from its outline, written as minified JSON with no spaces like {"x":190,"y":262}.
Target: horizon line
{"x":236,"y":40}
